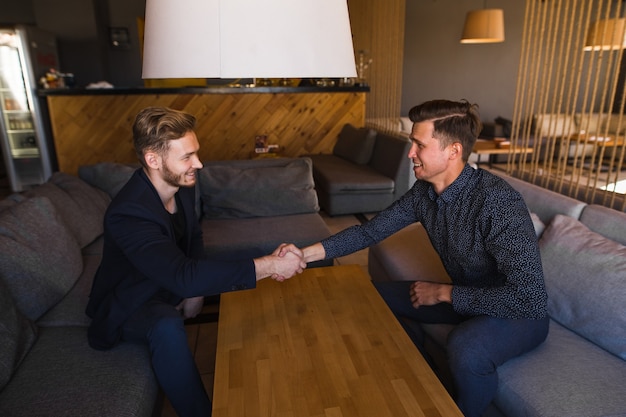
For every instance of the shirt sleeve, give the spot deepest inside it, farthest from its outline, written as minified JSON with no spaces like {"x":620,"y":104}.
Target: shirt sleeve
{"x":154,"y":256}
{"x":397,"y":216}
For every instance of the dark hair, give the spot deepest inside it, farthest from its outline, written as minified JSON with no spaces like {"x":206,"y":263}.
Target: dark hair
{"x":154,"y":127}
{"x":454,"y":121}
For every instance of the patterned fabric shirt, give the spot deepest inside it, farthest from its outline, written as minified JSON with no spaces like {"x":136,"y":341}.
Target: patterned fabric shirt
{"x":481,"y":229}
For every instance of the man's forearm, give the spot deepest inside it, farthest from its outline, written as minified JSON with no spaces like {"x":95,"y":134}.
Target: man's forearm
{"x":264,"y":267}
{"x":315,"y":252}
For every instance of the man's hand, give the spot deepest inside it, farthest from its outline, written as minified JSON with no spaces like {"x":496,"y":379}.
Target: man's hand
{"x":283,"y":248}
{"x":429,"y":293}
{"x":314,"y":252}
{"x":190,"y":307}
{"x":288,"y":265}
{"x":280,"y":266}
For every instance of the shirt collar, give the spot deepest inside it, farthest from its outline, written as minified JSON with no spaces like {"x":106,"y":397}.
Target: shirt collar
{"x":456,"y":188}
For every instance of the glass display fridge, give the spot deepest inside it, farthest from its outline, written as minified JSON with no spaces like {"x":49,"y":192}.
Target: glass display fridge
{"x":24,"y":52}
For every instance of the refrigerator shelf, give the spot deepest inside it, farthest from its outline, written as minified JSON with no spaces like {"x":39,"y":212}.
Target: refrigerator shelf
{"x":25,"y":153}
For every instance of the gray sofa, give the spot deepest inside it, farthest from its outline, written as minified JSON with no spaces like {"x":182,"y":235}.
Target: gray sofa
{"x":580,"y":369}
{"x":51,"y":245}
{"x":51,"y":240}
{"x":367,"y":171}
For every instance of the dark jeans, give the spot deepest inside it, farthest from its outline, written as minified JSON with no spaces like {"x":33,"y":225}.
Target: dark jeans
{"x":161,"y":327}
{"x":476,"y":346}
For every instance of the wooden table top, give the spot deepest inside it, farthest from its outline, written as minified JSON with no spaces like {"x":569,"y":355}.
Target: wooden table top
{"x":325,"y":344}
{"x":599,"y":140}
{"x":483,"y":146}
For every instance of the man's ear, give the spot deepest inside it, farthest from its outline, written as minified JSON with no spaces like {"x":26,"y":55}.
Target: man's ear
{"x":153,"y":160}
{"x":456,"y":150}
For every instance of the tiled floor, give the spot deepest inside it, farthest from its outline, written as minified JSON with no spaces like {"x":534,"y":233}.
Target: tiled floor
{"x":203,"y":337}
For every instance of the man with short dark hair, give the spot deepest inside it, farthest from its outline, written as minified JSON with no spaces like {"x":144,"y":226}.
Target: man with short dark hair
{"x":481,"y":229}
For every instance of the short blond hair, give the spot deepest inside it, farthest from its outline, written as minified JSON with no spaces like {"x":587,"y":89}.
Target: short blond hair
{"x":155,"y":127}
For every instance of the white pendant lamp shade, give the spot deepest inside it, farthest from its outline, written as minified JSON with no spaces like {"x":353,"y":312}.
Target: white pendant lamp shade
{"x":247,"y":39}
{"x":605,"y":35}
{"x":484,"y":26}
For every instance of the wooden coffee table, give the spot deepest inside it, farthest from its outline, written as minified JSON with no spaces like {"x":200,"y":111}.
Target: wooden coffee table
{"x":325,"y":344}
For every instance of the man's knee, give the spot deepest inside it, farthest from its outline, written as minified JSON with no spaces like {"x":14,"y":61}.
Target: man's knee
{"x":168,"y":328}
{"x":468,"y":353}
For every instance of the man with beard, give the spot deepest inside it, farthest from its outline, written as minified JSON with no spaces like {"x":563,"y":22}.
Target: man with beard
{"x":153,"y":272}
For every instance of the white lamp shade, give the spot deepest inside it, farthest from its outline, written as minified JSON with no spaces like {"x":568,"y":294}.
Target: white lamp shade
{"x":605,"y":35}
{"x":247,"y":39}
{"x":484,"y":26}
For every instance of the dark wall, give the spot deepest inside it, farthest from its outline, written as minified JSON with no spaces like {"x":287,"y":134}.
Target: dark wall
{"x":437,"y":65}
{"x":82,"y":28}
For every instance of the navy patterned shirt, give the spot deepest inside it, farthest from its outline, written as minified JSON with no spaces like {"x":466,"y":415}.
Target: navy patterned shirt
{"x":481,"y":229}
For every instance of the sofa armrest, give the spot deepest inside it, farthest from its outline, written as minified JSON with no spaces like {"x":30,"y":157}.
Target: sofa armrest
{"x":407,"y":255}
{"x":390,"y":158}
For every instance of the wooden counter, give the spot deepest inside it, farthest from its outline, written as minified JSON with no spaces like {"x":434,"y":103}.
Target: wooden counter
{"x":90,"y":126}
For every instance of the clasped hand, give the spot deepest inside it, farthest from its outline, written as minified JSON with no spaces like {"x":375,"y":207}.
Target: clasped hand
{"x":291,"y":261}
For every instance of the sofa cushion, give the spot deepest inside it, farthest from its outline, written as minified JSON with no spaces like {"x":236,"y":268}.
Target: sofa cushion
{"x":355,"y":144}
{"x":63,"y":376}
{"x":109,"y":177}
{"x":565,"y":376}
{"x":614,"y":124}
{"x":390,"y":158}
{"x":406,"y":124}
{"x":41,"y":260}
{"x":228,"y":237}
{"x":591,"y":122}
{"x":584,"y":275}
{"x":80,"y":206}
{"x":537,"y":224}
{"x":240,"y":189}
{"x":17,"y":334}
{"x":70,"y":311}
{"x":10,"y":201}
{"x":338,"y":176}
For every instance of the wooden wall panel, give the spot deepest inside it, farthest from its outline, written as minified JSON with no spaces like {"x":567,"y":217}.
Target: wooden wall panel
{"x":378,"y":29}
{"x":88,"y":129}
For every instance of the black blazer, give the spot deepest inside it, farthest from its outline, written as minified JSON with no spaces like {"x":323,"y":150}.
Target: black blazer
{"x":140,"y":258}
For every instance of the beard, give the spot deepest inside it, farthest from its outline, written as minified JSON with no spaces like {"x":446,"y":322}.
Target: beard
{"x":176,"y":180}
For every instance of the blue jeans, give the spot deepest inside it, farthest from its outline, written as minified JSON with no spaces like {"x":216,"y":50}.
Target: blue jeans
{"x":475,"y":348}
{"x":161,"y":327}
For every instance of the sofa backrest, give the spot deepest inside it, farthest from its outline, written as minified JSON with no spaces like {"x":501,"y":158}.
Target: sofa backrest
{"x":545,"y":203}
{"x":390,"y":158}
{"x":554,"y":124}
{"x":583,"y":254}
{"x":355,"y":144}
{"x":606,"y":221}
{"x":257,"y":188}
{"x":560,"y":124}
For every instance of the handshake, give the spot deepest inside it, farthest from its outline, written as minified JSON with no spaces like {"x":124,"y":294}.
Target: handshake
{"x":286,"y":261}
